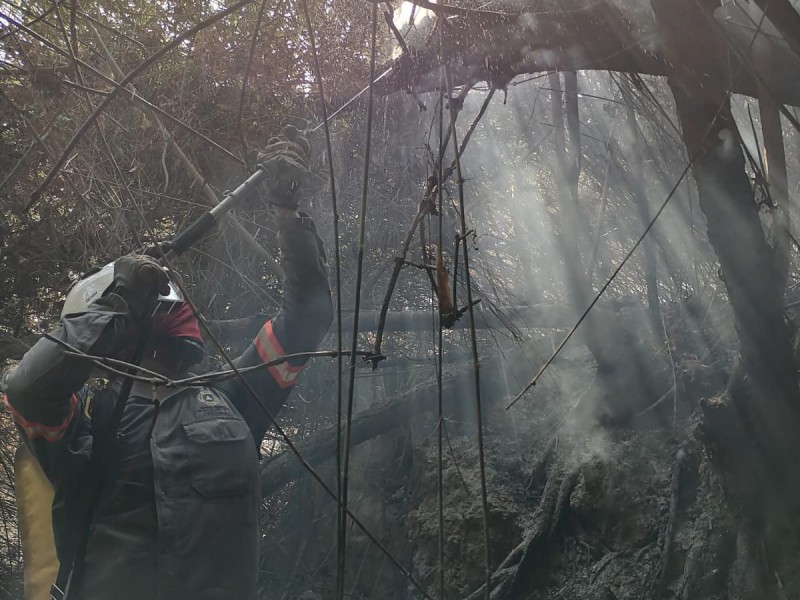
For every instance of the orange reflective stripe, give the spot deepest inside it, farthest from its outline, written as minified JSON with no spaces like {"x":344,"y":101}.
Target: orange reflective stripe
{"x":34,"y":430}
{"x":269,"y":348}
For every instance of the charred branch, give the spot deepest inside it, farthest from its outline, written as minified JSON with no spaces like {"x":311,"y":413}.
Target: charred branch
{"x":12,"y":348}
{"x":496,"y":47}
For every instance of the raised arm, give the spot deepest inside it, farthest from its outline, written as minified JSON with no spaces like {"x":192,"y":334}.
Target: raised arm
{"x":306,"y":310}
{"x":301,"y":323}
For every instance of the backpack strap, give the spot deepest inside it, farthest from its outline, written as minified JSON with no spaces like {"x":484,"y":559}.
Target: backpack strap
{"x":99,"y":409}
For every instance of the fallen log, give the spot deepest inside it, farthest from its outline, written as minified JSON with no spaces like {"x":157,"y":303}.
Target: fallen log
{"x":367,"y":425}
{"x":539,"y":316}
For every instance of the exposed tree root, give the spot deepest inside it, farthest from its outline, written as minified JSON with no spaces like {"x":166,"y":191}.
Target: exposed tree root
{"x":692,"y":569}
{"x":659,"y":585}
{"x":513,"y":575}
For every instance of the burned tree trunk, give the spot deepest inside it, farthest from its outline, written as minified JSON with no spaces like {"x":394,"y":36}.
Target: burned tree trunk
{"x":764,"y":406}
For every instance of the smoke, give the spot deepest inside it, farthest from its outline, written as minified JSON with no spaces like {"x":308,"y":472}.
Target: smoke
{"x":525,"y":243}
{"x":539,"y":253}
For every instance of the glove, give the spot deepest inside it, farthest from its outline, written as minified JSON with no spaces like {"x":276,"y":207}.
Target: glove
{"x":285,"y":161}
{"x":140,"y":280}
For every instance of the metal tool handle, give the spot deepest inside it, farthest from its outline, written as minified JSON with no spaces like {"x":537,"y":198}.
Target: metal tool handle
{"x":195,"y":232}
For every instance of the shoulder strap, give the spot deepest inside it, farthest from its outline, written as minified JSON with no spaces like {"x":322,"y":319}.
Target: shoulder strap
{"x":102,"y":411}
{"x":104,"y":431}
{"x":99,"y":408}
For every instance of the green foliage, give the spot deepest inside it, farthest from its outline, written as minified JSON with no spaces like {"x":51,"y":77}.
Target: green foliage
{"x":121,"y":182}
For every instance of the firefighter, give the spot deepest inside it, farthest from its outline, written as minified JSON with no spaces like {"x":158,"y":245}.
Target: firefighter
{"x":178,"y":512}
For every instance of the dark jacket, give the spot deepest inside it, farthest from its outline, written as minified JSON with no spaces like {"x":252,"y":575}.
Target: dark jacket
{"x":178,"y":518}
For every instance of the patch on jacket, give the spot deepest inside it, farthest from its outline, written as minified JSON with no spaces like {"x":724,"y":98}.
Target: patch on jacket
{"x":208,"y":397}
{"x":213,"y":405}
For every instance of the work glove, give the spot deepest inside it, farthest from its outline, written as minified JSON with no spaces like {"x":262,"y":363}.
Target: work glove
{"x":285,"y":161}
{"x":140,"y":280}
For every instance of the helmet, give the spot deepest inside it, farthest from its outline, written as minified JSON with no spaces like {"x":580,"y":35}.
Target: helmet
{"x":95,"y":283}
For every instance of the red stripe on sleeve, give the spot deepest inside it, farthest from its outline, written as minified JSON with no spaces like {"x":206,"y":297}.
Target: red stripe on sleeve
{"x":34,"y":430}
{"x":269,"y":348}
